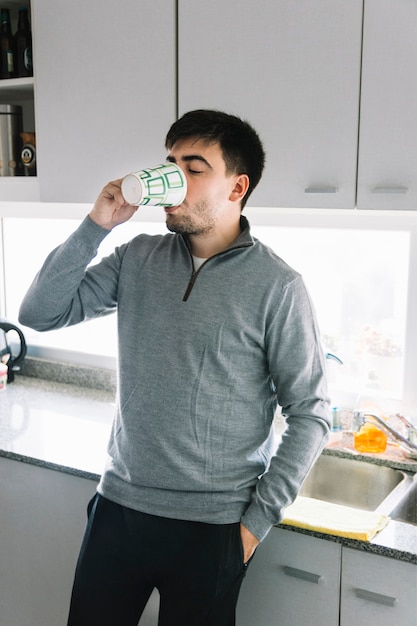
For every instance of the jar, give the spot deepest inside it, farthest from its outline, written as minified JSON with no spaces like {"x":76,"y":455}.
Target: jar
{"x":370,"y":438}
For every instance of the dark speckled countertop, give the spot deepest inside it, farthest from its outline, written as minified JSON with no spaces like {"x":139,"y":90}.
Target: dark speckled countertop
{"x":393,"y":456}
{"x":65,"y":427}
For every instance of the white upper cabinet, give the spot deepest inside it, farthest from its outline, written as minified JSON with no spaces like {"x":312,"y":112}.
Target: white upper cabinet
{"x":336,"y":114}
{"x":104,"y":91}
{"x":387,"y":177}
{"x":292,"y":69}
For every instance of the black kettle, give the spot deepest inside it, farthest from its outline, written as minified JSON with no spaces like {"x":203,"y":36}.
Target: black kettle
{"x":8,"y":357}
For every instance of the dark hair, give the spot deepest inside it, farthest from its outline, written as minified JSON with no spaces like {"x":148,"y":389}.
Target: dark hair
{"x":242,"y":149}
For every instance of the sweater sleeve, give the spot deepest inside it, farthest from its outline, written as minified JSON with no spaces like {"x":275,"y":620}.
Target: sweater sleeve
{"x":297,"y":366}
{"x":63,"y":292}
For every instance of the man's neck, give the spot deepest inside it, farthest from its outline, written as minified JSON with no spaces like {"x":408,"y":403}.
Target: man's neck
{"x":209,"y":244}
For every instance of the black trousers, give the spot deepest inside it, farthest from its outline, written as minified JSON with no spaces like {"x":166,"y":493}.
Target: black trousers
{"x":197,"y":567}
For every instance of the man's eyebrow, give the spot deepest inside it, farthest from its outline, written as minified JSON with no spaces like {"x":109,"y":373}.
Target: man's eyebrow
{"x":190,"y":157}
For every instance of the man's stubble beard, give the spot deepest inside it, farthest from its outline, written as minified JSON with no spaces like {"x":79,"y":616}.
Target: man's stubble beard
{"x":199,"y":222}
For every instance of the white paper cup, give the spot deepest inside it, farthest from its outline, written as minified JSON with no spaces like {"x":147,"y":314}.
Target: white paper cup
{"x":163,"y":185}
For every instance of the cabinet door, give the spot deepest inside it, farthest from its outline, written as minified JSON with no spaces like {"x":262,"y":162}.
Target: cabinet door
{"x":105,"y":91}
{"x":42,"y":521}
{"x":292,"y":69}
{"x":377,"y":590}
{"x":293,"y":580}
{"x":388,"y":129}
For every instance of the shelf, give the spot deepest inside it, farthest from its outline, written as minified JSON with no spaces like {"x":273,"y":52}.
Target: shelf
{"x":14,"y":5}
{"x":21,"y":88}
{"x":19,"y":189}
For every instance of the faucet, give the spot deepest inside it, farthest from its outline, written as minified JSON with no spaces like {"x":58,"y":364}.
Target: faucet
{"x":330,"y":355}
{"x":408,"y":443}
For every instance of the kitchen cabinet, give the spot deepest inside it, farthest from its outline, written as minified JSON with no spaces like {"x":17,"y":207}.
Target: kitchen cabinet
{"x":42,"y":522}
{"x":330,"y":87}
{"x":387,"y":145}
{"x":105,"y":91}
{"x":293,"y":70}
{"x":294,"y":579}
{"x":19,"y":91}
{"x":377,"y":590}
{"x":300,"y":579}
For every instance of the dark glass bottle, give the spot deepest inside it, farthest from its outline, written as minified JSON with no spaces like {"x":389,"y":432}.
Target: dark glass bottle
{"x":7,"y":46}
{"x":23,"y":38}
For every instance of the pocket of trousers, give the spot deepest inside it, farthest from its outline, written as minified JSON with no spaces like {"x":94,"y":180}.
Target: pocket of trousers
{"x":91,"y":504}
{"x":244,"y":563}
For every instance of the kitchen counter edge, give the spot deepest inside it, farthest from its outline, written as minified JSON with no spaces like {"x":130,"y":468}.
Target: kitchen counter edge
{"x":398,"y":540}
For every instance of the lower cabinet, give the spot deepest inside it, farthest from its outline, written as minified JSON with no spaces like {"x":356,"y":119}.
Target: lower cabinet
{"x":42,"y":521}
{"x":297,"y":580}
{"x":293,"y":580}
{"x":377,"y":590}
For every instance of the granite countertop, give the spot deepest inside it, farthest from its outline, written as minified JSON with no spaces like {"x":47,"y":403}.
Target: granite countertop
{"x":397,"y":540}
{"x":394,"y":456}
{"x":57,"y":425}
{"x":65,"y":427}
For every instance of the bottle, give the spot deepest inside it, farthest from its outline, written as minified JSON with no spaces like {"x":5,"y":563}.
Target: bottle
{"x":336,"y":433}
{"x":7,"y":46}
{"x":23,"y":39}
{"x":28,"y":153}
{"x":370,"y":438}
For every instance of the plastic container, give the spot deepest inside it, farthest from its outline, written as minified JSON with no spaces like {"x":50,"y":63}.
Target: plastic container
{"x":370,"y":438}
{"x":10,"y":142}
{"x":336,"y":433}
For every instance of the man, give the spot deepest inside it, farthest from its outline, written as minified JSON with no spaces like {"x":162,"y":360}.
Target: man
{"x":215,"y":331}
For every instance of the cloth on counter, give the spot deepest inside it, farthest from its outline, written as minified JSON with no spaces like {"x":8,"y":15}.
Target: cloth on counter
{"x":334,"y":519}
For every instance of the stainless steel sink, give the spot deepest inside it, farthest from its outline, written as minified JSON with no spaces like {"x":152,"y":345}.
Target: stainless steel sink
{"x":355,"y":483}
{"x":404,"y":508}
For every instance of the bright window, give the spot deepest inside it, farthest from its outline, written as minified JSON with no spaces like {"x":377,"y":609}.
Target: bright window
{"x":358,"y":282}
{"x":92,"y":343}
{"x":358,"y":279}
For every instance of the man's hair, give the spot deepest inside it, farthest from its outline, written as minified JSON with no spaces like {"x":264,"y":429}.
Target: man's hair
{"x":241,"y":146}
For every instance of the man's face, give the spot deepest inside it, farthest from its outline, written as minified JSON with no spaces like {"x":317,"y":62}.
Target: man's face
{"x":208,"y":187}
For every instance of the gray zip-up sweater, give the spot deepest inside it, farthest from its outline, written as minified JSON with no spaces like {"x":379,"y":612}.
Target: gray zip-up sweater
{"x":204,"y":359}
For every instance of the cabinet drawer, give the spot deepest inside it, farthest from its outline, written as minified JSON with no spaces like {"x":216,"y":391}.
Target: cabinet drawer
{"x":377,"y":590}
{"x":294,"y":579}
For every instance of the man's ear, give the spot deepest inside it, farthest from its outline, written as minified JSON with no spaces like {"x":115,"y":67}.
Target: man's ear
{"x":240,"y":188}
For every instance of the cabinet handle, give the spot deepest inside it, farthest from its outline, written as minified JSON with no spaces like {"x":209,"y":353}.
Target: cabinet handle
{"x":321,"y":190}
{"x":300,"y":573}
{"x":375,"y":597}
{"x":392,"y":190}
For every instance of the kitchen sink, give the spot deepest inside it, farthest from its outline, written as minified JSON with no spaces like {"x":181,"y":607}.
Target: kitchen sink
{"x":356,"y":484}
{"x":404,"y":508}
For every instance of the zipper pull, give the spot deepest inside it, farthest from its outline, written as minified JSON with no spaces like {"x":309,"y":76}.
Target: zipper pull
{"x":190,"y":286}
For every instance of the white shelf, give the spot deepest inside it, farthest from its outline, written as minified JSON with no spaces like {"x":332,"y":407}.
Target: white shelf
{"x":16,"y":88}
{"x":19,"y":189}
